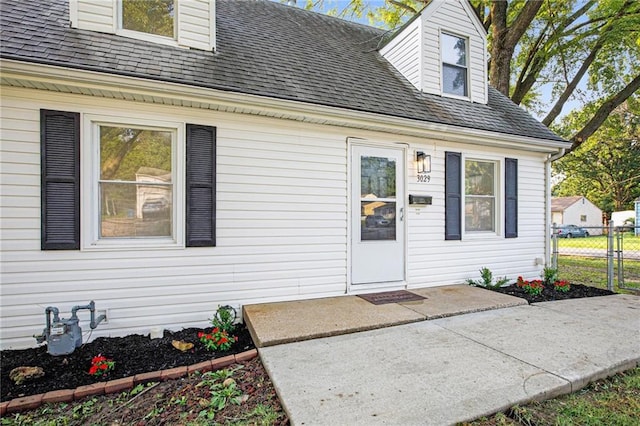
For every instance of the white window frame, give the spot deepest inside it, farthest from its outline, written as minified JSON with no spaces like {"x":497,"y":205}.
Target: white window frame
{"x":466,"y":67}
{"x":154,"y":38}
{"x":90,"y":194}
{"x":498,"y":177}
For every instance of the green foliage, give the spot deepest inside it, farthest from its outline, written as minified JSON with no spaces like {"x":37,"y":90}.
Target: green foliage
{"x":486,"y":280}
{"x":124,"y":150}
{"x":605,"y":168}
{"x":220,"y":338}
{"x":84,"y":409}
{"x":224,"y":318}
{"x":224,"y":391}
{"x":533,"y":287}
{"x":149,"y":16}
{"x":549,"y":275}
{"x":387,"y":14}
{"x":217,"y":340}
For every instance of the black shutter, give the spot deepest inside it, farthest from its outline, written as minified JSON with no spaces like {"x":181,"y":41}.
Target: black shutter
{"x":201,"y":186}
{"x":60,"y":180}
{"x":452,"y":196}
{"x":511,"y":198}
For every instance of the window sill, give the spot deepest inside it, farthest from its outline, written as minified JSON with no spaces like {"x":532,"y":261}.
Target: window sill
{"x":481,"y":235}
{"x":148,"y":37}
{"x":128,"y":245}
{"x":452,"y":96}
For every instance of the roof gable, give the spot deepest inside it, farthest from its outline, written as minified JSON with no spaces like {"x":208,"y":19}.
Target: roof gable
{"x":433,"y":6}
{"x":560,"y":204}
{"x":418,"y":50}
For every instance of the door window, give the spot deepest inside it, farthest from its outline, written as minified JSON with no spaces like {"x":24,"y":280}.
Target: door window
{"x":377,"y":198}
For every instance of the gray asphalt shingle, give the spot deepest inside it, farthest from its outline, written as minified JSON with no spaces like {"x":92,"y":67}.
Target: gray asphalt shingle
{"x":264,"y":48}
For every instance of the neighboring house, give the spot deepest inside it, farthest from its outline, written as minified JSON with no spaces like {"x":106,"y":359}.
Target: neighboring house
{"x":622,"y":218}
{"x":576,"y":210}
{"x":269,"y":133}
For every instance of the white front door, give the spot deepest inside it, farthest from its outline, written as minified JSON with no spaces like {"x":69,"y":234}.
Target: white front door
{"x":377,"y":215}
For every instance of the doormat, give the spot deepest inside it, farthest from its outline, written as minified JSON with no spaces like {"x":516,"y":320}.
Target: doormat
{"x":391,"y":297}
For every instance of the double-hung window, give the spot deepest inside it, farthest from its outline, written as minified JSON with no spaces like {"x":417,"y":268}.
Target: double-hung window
{"x":474,"y":199}
{"x":134,"y":185}
{"x":480,"y":189}
{"x":148,"y":19}
{"x":454,"y":65}
{"x":137,"y":184}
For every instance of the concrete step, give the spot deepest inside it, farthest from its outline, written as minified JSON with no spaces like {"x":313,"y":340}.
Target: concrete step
{"x":285,"y":322}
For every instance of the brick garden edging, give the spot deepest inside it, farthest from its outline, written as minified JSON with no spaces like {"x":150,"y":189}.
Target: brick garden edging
{"x":120,"y":385}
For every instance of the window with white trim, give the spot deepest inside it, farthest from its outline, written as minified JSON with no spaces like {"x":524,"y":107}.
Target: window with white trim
{"x":454,"y":65}
{"x":153,"y":17}
{"x":135,"y":184}
{"x":480,"y":199}
{"x":144,"y":184}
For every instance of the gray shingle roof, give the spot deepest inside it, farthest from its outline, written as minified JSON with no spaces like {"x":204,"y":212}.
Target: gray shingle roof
{"x":560,"y":204}
{"x":264,"y":48}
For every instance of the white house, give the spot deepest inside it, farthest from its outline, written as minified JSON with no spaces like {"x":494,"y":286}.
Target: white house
{"x":301,"y":156}
{"x":622,"y":218}
{"x":576,"y":210}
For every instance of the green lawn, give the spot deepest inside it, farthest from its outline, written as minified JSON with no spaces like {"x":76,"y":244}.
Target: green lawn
{"x":629,"y":242}
{"x":583,"y":260}
{"x":593,"y":271}
{"x":613,"y":401}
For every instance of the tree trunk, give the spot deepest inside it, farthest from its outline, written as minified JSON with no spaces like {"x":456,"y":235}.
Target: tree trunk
{"x":505,"y":39}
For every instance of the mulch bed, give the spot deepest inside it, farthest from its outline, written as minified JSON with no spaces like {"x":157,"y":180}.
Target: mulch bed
{"x":133,"y":354}
{"x":548,"y":293}
{"x":136,"y":354}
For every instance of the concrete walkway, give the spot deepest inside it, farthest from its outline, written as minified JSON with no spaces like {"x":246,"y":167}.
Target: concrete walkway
{"x":285,"y":322}
{"x":457,"y":368}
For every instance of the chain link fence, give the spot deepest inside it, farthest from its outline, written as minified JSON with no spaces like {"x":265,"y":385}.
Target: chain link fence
{"x":605,"y":257}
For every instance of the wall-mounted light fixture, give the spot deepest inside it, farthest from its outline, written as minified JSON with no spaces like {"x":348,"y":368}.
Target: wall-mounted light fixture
{"x":423,"y":162}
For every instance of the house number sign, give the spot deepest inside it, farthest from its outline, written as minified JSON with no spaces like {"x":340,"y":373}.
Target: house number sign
{"x":424,"y":178}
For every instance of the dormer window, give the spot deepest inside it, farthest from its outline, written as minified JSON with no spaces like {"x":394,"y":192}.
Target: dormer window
{"x":155,"y":18}
{"x":187,"y":24}
{"x":454,"y":65}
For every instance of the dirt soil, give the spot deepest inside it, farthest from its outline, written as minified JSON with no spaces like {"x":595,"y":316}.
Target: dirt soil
{"x":549,"y":293}
{"x":133,"y":354}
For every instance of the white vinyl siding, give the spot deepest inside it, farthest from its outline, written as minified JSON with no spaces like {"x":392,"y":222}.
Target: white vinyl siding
{"x":195,"y":21}
{"x":451,"y":17}
{"x":196,"y":24}
{"x":282,"y":224}
{"x":434,"y":261}
{"x":441,"y":16}
{"x":94,"y":15}
{"x":403,"y":52}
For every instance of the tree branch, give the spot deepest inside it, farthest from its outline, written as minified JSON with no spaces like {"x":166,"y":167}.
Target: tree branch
{"x":604,"y":111}
{"x":522,"y":21}
{"x":571,"y":86}
{"x":402,"y":5}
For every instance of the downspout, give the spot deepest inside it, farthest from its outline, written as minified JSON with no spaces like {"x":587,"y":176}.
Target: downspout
{"x":547,"y":203}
